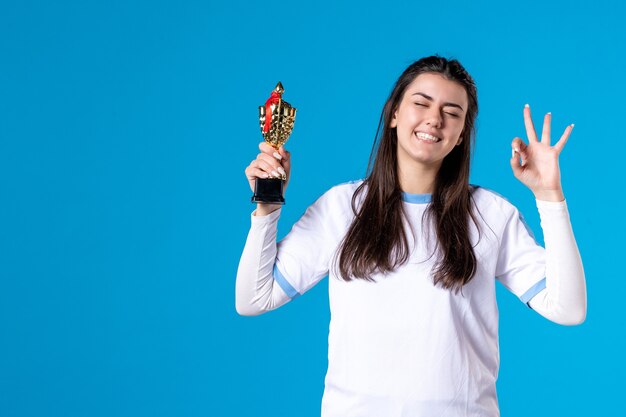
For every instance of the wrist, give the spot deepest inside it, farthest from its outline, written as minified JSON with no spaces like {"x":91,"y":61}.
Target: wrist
{"x":550,"y":195}
{"x":263,"y":209}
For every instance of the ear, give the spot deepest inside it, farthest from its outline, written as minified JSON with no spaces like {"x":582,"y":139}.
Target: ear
{"x":394,"y":120}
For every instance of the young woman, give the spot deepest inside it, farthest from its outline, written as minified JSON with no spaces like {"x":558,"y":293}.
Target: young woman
{"x":412,"y":251}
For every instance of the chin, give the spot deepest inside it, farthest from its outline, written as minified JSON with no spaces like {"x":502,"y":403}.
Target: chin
{"x":424,"y":160}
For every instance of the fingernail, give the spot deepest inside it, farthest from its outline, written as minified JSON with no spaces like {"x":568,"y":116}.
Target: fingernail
{"x":281,"y":170}
{"x":274,"y":174}
{"x":516,"y":150}
{"x":550,"y":113}
{"x":526,"y":105}
{"x":266,"y":175}
{"x":277,"y":156}
{"x":572,"y":125}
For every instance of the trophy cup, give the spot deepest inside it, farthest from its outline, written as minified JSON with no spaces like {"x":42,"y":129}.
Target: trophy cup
{"x":277,"y":118}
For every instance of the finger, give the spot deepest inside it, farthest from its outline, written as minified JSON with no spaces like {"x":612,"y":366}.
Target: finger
{"x":270,"y":150}
{"x":545,"y":134}
{"x":267,"y":148}
{"x":520,"y":148}
{"x":286,"y":158}
{"x":270,"y":159}
{"x":518,"y":144}
{"x":263,"y":167}
{"x":271,"y":165}
{"x":515,"y":164}
{"x":530,"y":128}
{"x":253,"y":172}
{"x":280,"y":156}
{"x":561,"y":143}
{"x":284,"y":153}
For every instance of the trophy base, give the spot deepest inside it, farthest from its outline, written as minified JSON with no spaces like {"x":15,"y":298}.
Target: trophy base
{"x":269,"y":191}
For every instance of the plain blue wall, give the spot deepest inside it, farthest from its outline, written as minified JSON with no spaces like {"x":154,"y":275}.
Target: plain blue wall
{"x":125,"y":127}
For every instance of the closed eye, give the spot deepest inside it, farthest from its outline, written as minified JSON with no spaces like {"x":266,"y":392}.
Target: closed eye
{"x":451,"y":114}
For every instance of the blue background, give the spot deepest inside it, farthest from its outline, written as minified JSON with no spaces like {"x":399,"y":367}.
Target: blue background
{"x":125,"y":128}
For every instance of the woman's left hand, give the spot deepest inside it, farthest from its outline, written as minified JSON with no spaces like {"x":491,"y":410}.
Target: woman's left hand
{"x":539,"y":169}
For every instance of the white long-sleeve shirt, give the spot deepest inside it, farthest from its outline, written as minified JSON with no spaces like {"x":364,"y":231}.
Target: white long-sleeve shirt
{"x":400,"y":345}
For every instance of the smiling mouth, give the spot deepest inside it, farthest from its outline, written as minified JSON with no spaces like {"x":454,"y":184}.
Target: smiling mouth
{"x":425,"y":137}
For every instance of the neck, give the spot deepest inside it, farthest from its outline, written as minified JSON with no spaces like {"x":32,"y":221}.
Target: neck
{"x":417,"y":179}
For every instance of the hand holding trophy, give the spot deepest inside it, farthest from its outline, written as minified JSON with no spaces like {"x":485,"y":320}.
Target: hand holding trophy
{"x":269,"y":172}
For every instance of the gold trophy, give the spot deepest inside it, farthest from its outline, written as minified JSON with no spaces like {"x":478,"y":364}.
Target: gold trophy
{"x":277,"y":118}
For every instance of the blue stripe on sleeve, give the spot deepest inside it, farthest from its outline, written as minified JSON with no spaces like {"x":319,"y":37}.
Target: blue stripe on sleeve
{"x":284,"y":284}
{"x":528,"y":229}
{"x":534,"y":290}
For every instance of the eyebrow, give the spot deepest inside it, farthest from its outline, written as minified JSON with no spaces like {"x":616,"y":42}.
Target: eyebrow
{"x":427,"y":97}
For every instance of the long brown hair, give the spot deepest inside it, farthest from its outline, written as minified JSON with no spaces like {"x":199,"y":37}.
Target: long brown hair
{"x":376,"y":241}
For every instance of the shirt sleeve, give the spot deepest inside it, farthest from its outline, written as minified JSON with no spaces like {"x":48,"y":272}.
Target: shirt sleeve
{"x":521,"y":265}
{"x":564,"y":300}
{"x":270,"y":274}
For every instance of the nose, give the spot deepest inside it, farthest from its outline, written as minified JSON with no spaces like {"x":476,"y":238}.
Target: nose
{"x":434,"y":119}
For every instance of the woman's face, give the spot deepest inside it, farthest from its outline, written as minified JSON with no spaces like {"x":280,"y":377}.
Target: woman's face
{"x":432,"y":108}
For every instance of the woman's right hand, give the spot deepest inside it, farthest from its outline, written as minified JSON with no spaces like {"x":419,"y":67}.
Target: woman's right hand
{"x":270,"y":163}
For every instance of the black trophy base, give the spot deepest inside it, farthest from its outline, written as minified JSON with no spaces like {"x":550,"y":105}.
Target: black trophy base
{"x":269,"y":191}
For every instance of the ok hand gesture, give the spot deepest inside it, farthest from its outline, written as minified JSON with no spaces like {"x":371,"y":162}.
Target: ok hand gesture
{"x":539,"y":169}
